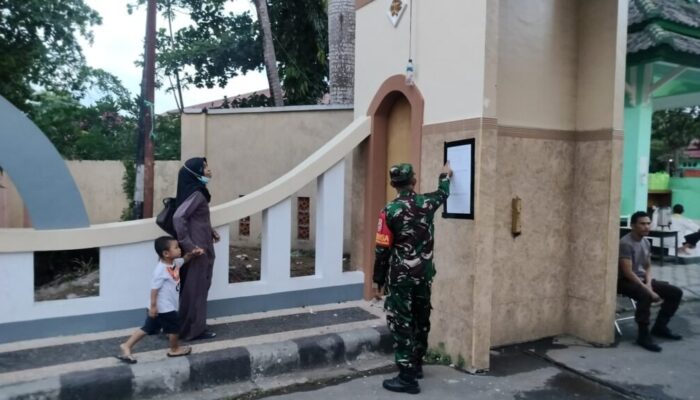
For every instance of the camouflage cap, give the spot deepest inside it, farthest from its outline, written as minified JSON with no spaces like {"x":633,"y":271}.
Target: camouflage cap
{"x":401,"y":173}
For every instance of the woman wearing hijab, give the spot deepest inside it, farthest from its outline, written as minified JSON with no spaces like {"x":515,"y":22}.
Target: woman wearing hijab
{"x":194,"y":230}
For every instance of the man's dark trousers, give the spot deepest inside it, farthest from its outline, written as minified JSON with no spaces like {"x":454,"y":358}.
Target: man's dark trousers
{"x":670,"y":294}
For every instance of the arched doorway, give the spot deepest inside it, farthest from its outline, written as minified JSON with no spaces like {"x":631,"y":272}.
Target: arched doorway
{"x":397,"y":124}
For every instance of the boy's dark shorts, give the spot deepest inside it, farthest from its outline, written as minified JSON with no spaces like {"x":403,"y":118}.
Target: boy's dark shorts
{"x":169,"y":322}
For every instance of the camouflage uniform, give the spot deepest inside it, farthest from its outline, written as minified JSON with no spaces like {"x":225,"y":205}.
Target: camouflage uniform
{"x":405,"y":250}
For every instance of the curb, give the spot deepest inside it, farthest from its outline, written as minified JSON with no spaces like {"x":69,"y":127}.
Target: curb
{"x":201,"y":370}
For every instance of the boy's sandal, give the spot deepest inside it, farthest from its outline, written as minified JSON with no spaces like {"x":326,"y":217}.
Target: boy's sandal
{"x":126,"y":359}
{"x":184,"y":353}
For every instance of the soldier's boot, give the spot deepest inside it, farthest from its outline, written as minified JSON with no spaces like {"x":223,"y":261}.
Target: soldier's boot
{"x":661,"y":330}
{"x":404,"y":382}
{"x":419,"y":370}
{"x":644,"y":339}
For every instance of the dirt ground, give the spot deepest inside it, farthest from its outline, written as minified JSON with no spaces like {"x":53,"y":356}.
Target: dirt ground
{"x":244,"y":263}
{"x":70,"y":287}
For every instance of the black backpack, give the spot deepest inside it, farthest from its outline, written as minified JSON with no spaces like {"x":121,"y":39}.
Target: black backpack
{"x":165,"y":218}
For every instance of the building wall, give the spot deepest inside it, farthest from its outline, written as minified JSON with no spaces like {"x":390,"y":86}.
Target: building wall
{"x":530,"y":271}
{"x":537,"y":63}
{"x":453,"y":299}
{"x":539,"y":84}
{"x":440,"y":49}
{"x":686,"y":191}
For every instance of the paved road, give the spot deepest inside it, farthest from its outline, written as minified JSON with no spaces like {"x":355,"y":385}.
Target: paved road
{"x":560,"y":368}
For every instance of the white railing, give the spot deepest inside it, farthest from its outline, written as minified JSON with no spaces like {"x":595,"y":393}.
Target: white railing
{"x":127,"y":257}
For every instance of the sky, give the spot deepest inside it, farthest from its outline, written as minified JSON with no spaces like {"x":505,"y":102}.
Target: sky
{"x":118,"y":43}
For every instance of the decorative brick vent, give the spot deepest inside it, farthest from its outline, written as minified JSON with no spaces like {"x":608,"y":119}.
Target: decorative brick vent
{"x":244,"y":226}
{"x":303,"y":218}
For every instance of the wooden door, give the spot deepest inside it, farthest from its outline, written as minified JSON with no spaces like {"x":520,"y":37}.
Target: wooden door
{"x":398,"y":139}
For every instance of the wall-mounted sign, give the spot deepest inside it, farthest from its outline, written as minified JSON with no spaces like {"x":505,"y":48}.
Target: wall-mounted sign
{"x":460,"y":204}
{"x":396,"y":10}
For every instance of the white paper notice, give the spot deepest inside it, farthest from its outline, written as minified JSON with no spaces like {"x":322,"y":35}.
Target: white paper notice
{"x":460,"y":158}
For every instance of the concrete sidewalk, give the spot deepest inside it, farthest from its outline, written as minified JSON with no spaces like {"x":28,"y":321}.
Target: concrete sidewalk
{"x":246,"y":348}
{"x":685,"y":276}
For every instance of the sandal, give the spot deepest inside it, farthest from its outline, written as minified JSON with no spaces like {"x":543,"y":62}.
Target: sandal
{"x":126,"y":359}
{"x":187,"y":351}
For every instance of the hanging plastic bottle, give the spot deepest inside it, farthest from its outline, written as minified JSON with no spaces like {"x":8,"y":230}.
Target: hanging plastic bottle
{"x":409,"y":73}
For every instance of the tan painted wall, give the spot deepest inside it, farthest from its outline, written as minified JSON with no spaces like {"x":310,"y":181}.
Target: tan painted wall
{"x":248,"y":149}
{"x":537,"y":63}
{"x":100,"y":185}
{"x":601,"y":83}
{"x":455,"y":251}
{"x":597,"y":181}
{"x":11,"y":206}
{"x":448,"y":41}
{"x":569,"y":186}
{"x":530,"y":271}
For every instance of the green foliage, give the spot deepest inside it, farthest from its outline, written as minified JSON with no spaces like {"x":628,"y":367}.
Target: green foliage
{"x":220,"y":46}
{"x":166,"y":144}
{"x":98,"y":132}
{"x":438,"y":356}
{"x":128,"y":182}
{"x":300,"y":30}
{"x":672,"y":131}
{"x":461,"y":362}
{"x":253,"y":100}
{"x":39,"y":46}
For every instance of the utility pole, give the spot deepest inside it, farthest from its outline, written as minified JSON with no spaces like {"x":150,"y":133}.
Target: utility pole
{"x":143,"y":191}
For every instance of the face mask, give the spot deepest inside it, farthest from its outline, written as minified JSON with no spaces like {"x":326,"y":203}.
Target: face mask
{"x":201,"y":178}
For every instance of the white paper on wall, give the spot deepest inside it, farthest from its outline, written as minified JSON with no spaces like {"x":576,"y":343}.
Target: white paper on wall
{"x":460,"y":158}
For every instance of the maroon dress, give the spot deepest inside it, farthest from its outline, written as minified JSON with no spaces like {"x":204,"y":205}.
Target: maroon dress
{"x":193,"y":227}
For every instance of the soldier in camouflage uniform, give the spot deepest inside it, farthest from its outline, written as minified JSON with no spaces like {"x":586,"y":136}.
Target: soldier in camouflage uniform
{"x":404,"y":257}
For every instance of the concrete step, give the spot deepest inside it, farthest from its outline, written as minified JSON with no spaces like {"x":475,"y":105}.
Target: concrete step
{"x":246,"y":348}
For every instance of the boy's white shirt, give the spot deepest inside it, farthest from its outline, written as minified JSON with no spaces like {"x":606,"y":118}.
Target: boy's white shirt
{"x":168,"y":299}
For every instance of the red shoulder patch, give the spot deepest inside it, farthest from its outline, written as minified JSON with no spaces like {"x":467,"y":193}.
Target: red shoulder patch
{"x":384,"y":237}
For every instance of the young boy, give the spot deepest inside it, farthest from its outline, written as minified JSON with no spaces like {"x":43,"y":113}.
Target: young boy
{"x":162,"y":311}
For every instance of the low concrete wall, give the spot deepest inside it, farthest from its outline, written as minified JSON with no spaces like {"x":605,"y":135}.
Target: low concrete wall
{"x":100,"y":185}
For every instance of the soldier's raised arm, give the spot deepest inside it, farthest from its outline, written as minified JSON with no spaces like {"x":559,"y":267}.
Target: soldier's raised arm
{"x":443,"y":190}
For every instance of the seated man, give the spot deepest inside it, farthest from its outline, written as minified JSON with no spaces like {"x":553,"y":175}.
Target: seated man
{"x":687,"y":229}
{"x":635,"y":281}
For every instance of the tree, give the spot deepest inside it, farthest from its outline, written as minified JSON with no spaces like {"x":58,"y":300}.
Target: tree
{"x":39,"y":46}
{"x":672,"y":131}
{"x":300,"y":30}
{"x":100,"y":130}
{"x":269,"y":57}
{"x":341,"y":46}
{"x":219,"y":46}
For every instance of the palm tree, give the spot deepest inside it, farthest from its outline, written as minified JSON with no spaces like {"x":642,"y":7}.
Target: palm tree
{"x":269,"y":56}
{"x":341,"y":48}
